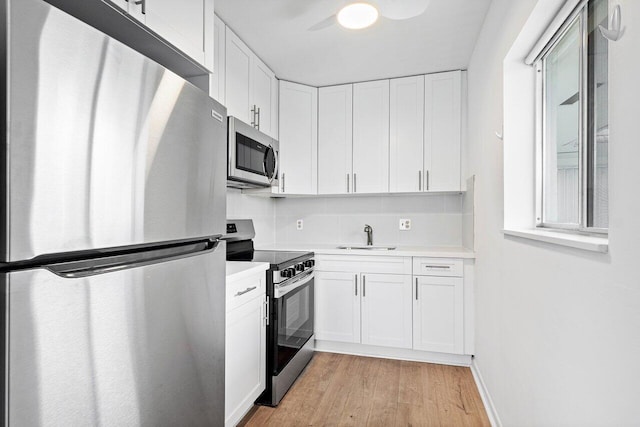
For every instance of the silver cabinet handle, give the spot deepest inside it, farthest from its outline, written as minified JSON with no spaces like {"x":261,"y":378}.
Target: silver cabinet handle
{"x":427,"y":180}
{"x":258,"y":121}
{"x":356,"y":285}
{"x":266,"y":317}
{"x":364,"y":286}
{"x":283,"y":182}
{"x":354,"y":183}
{"x":144,"y":5}
{"x":419,"y":180}
{"x":438,"y":266}
{"x":246,"y":291}
{"x":347,"y":183}
{"x":253,"y":116}
{"x":416,"y":289}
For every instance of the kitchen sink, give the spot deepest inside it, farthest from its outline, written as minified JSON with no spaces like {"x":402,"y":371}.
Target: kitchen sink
{"x":368,"y":248}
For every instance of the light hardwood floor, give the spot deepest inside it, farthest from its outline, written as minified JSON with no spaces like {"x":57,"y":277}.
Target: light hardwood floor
{"x":337,"y":389}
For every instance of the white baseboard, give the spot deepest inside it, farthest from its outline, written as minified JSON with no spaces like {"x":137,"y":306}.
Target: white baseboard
{"x":489,"y":407}
{"x":393,"y":353}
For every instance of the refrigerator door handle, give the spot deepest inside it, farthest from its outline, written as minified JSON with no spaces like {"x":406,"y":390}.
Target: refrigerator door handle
{"x":139,"y":258}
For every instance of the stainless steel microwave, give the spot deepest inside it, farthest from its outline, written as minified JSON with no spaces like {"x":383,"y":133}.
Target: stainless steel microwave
{"x":253,"y":157}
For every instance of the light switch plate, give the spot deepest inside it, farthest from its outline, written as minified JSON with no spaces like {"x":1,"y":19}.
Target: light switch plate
{"x":299,"y":224}
{"x":405,"y":224}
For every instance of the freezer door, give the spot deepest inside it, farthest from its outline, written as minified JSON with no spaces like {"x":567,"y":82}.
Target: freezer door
{"x":134,"y":347}
{"x":105,"y":147}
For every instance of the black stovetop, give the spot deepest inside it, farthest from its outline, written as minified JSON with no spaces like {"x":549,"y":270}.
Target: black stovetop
{"x":277,"y":260}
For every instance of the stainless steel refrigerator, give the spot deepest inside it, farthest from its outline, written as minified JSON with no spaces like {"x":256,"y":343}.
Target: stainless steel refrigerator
{"x":112,"y":173}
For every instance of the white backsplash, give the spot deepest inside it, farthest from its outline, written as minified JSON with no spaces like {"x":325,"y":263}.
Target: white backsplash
{"x":436,"y":220}
{"x":260,"y":209}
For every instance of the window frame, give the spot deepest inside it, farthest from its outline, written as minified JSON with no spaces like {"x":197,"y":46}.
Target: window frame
{"x":580,"y":15}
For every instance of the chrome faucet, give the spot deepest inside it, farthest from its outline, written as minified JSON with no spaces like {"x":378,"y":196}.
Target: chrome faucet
{"x":369,"y":231}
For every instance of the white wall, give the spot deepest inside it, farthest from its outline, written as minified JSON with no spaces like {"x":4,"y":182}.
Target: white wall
{"x":436,"y":220}
{"x":260,"y":209}
{"x":557,"y":329}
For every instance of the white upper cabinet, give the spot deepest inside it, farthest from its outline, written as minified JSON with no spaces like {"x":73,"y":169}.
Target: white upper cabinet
{"x":237,"y":77}
{"x":442,"y":123}
{"x":264,"y":98}
{"x":406,"y":134}
{"x":216,"y":81}
{"x":251,"y":88}
{"x":188,"y":25}
{"x":122,"y":4}
{"x":335,"y":139}
{"x":371,"y":137}
{"x":298,"y":139}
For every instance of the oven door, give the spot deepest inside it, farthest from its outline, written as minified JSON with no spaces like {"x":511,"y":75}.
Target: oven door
{"x":253,"y":156}
{"x":293,"y":322}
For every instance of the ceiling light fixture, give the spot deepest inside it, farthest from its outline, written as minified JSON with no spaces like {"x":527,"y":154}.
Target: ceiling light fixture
{"x":357,"y":16}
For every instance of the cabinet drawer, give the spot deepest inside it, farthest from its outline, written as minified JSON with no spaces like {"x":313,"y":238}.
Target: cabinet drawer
{"x":437,"y":267}
{"x":364,"y":263}
{"x":244,"y":290}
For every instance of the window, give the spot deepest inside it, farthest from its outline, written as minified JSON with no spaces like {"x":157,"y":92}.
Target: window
{"x":573,"y":131}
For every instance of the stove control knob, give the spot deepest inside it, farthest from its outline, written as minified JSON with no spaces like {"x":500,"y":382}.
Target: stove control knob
{"x":309,"y":263}
{"x":299,"y":267}
{"x":288,"y":272}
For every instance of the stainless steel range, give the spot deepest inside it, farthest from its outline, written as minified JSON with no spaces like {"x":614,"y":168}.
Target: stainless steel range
{"x":290,"y":282}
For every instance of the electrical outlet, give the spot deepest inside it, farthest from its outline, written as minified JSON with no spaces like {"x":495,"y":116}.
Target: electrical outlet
{"x":299,"y":224}
{"x":405,"y":224}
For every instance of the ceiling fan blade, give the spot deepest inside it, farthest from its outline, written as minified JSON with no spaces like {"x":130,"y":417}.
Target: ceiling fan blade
{"x":296,"y":8}
{"x":402,"y":9}
{"x":325,"y":23}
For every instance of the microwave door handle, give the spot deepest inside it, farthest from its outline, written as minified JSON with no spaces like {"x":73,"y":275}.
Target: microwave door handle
{"x":275,"y":165}
{"x":264,"y":163}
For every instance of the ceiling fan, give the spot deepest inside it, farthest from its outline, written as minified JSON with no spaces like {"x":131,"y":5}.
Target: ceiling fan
{"x":390,"y":9}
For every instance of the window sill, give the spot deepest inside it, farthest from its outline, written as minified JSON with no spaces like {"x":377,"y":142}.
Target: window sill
{"x":578,"y":241}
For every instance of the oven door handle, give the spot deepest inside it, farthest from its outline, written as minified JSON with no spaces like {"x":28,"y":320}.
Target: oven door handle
{"x":298,"y":282}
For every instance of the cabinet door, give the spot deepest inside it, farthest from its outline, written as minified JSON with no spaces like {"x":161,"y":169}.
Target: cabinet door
{"x":438,"y":314}
{"x":337,"y":310}
{"x":189,"y":26}
{"x":237,"y":74}
{"x":386,"y":310}
{"x":371,"y":137}
{"x":335,"y":139}
{"x":298,"y":138}
{"x":406,"y":134}
{"x":442,"y":119}
{"x":245,"y":358}
{"x":216,"y":83}
{"x":263,"y":95}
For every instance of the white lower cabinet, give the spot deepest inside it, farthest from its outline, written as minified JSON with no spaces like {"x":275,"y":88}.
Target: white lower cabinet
{"x":401,"y":307}
{"x":355,"y":306}
{"x":373,"y":309}
{"x":438,"y":319}
{"x":245,"y":346}
{"x":337,"y":306}
{"x":386,"y":310}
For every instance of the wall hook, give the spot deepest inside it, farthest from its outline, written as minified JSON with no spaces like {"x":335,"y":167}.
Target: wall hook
{"x":615,"y":30}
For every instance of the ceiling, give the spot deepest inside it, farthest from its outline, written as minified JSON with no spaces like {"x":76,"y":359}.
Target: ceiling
{"x":278,"y":31}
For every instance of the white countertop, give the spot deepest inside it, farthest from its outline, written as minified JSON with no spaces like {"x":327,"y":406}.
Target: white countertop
{"x":417,"y":251}
{"x":237,"y":270}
